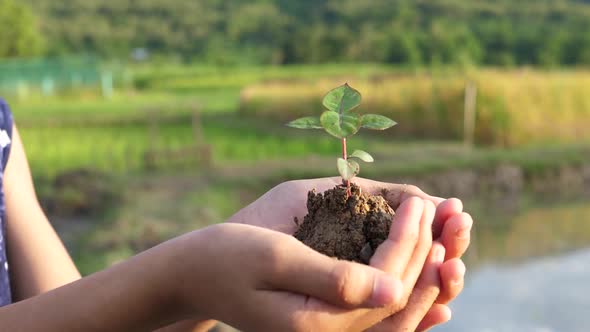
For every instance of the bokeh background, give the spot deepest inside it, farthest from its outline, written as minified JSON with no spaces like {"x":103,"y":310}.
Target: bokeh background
{"x":146,"y":119}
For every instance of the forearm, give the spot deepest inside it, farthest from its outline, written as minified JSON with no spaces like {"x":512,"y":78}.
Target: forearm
{"x":131,"y":296}
{"x":38,"y":264}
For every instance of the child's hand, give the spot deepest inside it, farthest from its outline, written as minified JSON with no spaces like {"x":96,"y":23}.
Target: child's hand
{"x":276,"y":209}
{"x":261,"y":280}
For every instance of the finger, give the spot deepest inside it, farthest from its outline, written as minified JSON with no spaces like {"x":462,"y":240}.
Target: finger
{"x":299,"y":269}
{"x":452,"y":275}
{"x":285,"y":311}
{"x":438,"y":314}
{"x":456,"y":235}
{"x":409,"y":190}
{"x":444,"y":211}
{"x":394,"y":193}
{"x":422,"y":249}
{"x":394,"y":254}
{"x":422,"y":298}
{"x":282,"y":311}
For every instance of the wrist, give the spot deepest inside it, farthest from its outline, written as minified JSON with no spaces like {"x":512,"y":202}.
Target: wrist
{"x":159,"y":266}
{"x":187,"y":273}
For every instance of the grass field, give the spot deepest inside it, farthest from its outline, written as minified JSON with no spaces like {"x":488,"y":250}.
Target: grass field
{"x":514,"y":108}
{"x":84,"y":130}
{"x":251,"y":149}
{"x":81,"y":129}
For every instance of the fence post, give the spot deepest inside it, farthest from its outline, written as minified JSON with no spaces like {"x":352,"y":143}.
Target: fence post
{"x":469,"y":115}
{"x":197,"y":127}
{"x":202,"y":149}
{"x":153,"y":138}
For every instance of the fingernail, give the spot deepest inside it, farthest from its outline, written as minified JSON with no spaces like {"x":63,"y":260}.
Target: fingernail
{"x":386,"y":290}
{"x":456,"y":282}
{"x":463,"y":232}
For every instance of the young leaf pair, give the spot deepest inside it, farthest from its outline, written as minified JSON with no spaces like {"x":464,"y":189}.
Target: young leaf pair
{"x":341,"y":121}
{"x":348,"y":168}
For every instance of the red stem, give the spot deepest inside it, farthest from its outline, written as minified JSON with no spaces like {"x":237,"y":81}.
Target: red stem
{"x":345,"y":157}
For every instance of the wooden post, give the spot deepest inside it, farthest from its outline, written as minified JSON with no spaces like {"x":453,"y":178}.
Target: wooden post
{"x":469,"y":115}
{"x":153,"y":139}
{"x":154,"y":117}
{"x":197,"y":127}
{"x":203,"y":151}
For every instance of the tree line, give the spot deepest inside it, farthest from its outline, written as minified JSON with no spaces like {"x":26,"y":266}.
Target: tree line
{"x":403,"y":32}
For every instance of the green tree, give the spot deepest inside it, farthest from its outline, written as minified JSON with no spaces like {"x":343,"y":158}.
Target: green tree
{"x":261,"y":29}
{"x":404,"y":32}
{"x":19,"y":34}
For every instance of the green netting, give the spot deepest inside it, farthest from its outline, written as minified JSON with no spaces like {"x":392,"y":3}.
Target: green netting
{"x":49,"y":73}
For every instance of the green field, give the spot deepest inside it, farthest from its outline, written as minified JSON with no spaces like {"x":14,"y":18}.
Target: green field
{"x":250,"y":151}
{"x":83,"y":130}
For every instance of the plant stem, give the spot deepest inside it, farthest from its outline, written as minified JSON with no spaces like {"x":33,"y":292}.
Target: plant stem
{"x":345,"y":157}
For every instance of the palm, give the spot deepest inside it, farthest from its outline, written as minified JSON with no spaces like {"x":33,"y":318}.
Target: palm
{"x":277,"y":209}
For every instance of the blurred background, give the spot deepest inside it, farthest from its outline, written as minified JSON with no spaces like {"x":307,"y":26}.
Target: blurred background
{"x":146,"y":119}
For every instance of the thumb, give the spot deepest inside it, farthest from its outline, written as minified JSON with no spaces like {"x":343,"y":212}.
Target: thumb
{"x":341,"y":283}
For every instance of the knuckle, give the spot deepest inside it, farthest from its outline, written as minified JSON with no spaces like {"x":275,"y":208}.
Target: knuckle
{"x":414,"y":190}
{"x":273,"y":256}
{"x":399,"y":305}
{"x":429,"y":206}
{"x":415,"y":200}
{"x":278,"y":253}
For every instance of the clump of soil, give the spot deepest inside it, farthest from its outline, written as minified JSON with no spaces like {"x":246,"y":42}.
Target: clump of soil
{"x":345,"y":227}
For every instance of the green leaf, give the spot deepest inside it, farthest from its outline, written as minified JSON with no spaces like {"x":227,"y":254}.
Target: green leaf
{"x":348,"y":169}
{"x":342,"y":99}
{"x":376,"y":122}
{"x":340,"y":126}
{"x":362,"y":155}
{"x":308,"y":122}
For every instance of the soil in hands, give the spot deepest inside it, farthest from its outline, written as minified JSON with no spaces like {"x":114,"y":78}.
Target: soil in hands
{"x":345,"y":227}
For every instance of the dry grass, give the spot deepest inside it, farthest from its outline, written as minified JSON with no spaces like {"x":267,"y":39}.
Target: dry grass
{"x":513,"y":107}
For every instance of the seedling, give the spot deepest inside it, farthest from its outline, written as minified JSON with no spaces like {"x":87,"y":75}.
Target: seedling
{"x":341,"y":121}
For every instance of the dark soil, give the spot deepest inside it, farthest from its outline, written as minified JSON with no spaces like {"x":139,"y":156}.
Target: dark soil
{"x":344,"y":227}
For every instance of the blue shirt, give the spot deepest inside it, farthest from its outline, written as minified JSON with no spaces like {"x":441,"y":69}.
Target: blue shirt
{"x":5,"y":138}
